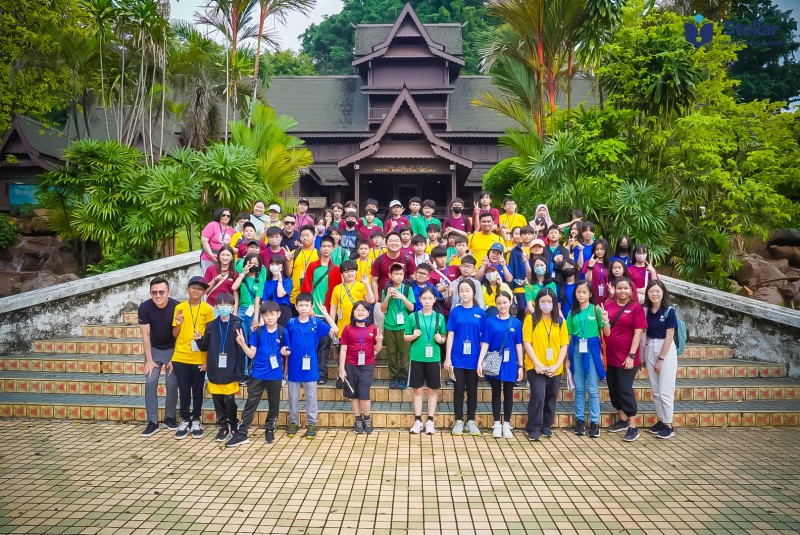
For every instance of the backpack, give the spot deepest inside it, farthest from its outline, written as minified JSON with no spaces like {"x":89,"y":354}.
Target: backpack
{"x":680,"y":333}
{"x":436,"y":326}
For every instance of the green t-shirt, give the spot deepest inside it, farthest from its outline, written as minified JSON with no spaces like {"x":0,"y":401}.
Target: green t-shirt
{"x":396,"y":306}
{"x":587,"y":323}
{"x":430,"y":326}
{"x":419,"y":225}
{"x":250,"y":287}
{"x":532,"y":290}
{"x":320,"y":289}
{"x":339,"y":255}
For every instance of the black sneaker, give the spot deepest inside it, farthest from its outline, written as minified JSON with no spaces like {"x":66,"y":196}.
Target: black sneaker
{"x":619,"y":425}
{"x":393,"y":384}
{"x":311,"y":431}
{"x":171,"y":424}
{"x":547,"y":432}
{"x":594,"y":430}
{"x":291,"y":430}
{"x":222,"y":434}
{"x":657,"y":428}
{"x":150,"y":430}
{"x":322,"y":381}
{"x":237,"y":440}
{"x":402,"y":385}
{"x":183,"y":429}
{"x":269,"y":435}
{"x":534,"y":436}
{"x":368,"y":425}
{"x":631,"y":435}
{"x":580,"y":428}
{"x":359,"y":427}
{"x":667,"y":432}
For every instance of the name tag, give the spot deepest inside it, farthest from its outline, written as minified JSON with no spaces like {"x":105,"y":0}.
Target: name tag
{"x":362,"y":358}
{"x":194,"y":346}
{"x":429,"y":351}
{"x":339,"y":313}
{"x":583,"y":345}
{"x":306,"y":363}
{"x":506,"y":355}
{"x":401,"y":319}
{"x":549,"y":354}
{"x":223,"y":360}
{"x":601,"y":290}
{"x":467,"y":347}
{"x":273,"y":361}
{"x":249,"y":311}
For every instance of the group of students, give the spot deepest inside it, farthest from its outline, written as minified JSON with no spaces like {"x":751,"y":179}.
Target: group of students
{"x":511,"y":301}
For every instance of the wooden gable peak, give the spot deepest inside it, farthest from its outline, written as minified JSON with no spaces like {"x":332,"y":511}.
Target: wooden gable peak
{"x":405,"y":98}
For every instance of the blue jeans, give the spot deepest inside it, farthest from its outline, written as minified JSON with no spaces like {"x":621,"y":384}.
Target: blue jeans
{"x":585,"y":380}
{"x":247,"y":321}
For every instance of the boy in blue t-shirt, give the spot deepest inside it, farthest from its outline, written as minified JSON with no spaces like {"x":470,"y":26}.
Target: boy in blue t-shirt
{"x":267,"y":348}
{"x":303,"y":334}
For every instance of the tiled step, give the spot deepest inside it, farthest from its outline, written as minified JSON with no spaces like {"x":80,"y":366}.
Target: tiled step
{"x":111,"y":331}
{"x":400,"y":415}
{"x":134,"y":365}
{"x":130,"y":317}
{"x":90,"y":346}
{"x":133,"y":385}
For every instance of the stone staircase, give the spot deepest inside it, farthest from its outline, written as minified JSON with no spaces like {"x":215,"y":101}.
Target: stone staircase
{"x":99,"y":376}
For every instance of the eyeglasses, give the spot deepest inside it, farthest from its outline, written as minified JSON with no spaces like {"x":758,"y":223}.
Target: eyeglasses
{"x":226,"y":215}
{"x":158,"y":292}
{"x":288,"y":222}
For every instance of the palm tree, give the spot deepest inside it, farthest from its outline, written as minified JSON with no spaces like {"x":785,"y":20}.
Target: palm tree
{"x":280,"y":9}
{"x":102,"y":13}
{"x":603,"y":17}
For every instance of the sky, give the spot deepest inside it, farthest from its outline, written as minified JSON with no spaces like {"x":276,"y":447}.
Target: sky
{"x":289,"y":34}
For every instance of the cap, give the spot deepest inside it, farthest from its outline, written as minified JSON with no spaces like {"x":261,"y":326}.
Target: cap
{"x":274,"y":208}
{"x":490,"y":268}
{"x":395,"y":203}
{"x":303,"y":200}
{"x":536,"y":242}
{"x":497,"y":247}
{"x":197,"y":280}
{"x":253,"y":242}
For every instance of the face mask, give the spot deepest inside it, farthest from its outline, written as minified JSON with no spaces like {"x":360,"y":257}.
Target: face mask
{"x":491,"y":277}
{"x":275,"y":269}
{"x":546,"y":307}
{"x":351,"y":223}
{"x":456,"y":210}
{"x":540,"y":270}
{"x":641,"y":257}
{"x":320,"y":229}
{"x":224,"y":310}
{"x":623,"y":248}
{"x":568,"y":272}
{"x":254,"y":269}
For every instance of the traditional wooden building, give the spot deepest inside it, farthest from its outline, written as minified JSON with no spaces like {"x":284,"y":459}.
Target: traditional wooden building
{"x":403,"y":125}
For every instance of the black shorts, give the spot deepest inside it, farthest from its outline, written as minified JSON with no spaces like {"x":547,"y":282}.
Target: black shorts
{"x":425,"y":374}
{"x":360,"y":378}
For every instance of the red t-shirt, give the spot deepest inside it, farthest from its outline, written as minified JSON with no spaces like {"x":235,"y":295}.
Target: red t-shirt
{"x":639,"y":275}
{"x":401,"y":221}
{"x":267,"y":254}
{"x":477,"y":215}
{"x":359,"y":339}
{"x":381,"y":265}
{"x":241,"y":249}
{"x":212,"y":272}
{"x":618,"y":344}
{"x":458,"y":223}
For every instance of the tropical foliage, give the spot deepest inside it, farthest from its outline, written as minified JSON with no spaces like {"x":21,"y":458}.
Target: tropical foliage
{"x":669,"y":158}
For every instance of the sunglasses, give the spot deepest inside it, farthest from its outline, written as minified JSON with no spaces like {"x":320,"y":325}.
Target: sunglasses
{"x":158,"y":292}
{"x":288,"y":222}
{"x":226,"y":215}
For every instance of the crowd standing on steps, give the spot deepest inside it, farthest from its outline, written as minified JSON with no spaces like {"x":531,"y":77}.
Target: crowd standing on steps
{"x":476,"y":297}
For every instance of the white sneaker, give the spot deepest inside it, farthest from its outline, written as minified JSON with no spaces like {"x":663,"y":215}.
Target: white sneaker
{"x":429,"y":427}
{"x":472,"y":429}
{"x":497,"y":430}
{"x":458,"y":429}
{"x":197,"y":429}
{"x":507,"y":430}
{"x":416,"y":429}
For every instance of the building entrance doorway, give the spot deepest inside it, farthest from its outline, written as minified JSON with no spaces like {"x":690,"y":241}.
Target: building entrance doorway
{"x":385,"y":188}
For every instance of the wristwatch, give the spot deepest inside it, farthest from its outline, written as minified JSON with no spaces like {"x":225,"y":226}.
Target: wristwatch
{"x":632,"y":356}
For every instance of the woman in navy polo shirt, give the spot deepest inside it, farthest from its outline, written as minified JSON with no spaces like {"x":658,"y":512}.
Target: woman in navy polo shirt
{"x":661,"y":355}
{"x":464,"y":327}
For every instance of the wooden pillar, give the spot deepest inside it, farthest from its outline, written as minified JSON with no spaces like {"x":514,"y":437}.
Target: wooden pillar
{"x":357,"y":193}
{"x":452,"y":184}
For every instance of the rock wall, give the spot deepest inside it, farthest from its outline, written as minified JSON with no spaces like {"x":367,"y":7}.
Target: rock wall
{"x":61,"y":310}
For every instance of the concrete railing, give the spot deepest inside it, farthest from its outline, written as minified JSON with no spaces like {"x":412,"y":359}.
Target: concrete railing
{"x":61,"y":310}
{"x":755,"y":330}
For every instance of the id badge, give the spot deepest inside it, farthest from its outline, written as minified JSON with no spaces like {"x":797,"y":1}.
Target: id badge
{"x":506,"y":355}
{"x":194,"y":346}
{"x":339,"y":314}
{"x":273,"y":361}
{"x":601,"y":290}
{"x":249,"y":311}
{"x":362,"y":358}
{"x":306,"y":363}
{"x":429,"y":351}
{"x":467,"y":347}
{"x":401,"y":319}
{"x":549,"y":354}
{"x":223,"y":360}
{"x":583,"y":345}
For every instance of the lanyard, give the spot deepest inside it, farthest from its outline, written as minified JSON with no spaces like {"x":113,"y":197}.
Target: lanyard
{"x":504,"y":323}
{"x":224,"y":338}
{"x":362,"y":334}
{"x":275,"y":344}
{"x":548,"y":331}
{"x":601,"y":274}
{"x":222,"y":233}
{"x":347,"y":291}
{"x":396,"y":300}
{"x":306,"y":258}
{"x":306,"y":337}
{"x":466,"y":327}
{"x":251,"y":291}
{"x":428,"y":329}
{"x":583,"y":321}
{"x":194,"y":318}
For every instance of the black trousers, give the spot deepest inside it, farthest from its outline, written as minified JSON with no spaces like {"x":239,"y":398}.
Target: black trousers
{"x":506,"y":390}
{"x":466,"y":381}
{"x":190,"y":389}
{"x":620,"y":389}
{"x":542,"y":403}
{"x":225,"y":407}
{"x":255,"y":390}
{"x":324,"y":355}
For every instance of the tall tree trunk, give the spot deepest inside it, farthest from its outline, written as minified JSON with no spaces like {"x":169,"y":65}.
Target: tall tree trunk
{"x":262,"y":19}
{"x":163,"y":95}
{"x":103,"y":84}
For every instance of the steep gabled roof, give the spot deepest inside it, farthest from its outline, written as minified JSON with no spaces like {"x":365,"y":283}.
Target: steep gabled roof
{"x":424,"y":128}
{"x":44,"y":145}
{"x":447,"y":34}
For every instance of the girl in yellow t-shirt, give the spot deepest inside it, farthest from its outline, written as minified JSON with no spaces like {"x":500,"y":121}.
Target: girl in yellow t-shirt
{"x":546,"y":339}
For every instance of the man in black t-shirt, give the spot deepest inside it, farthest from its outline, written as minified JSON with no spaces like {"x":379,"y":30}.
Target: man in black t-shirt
{"x":155,"y":323}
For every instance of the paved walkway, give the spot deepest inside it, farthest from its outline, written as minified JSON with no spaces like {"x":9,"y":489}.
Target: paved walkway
{"x":76,"y":477}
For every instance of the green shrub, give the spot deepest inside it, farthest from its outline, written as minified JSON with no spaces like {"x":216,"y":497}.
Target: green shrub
{"x":8,"y":233}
